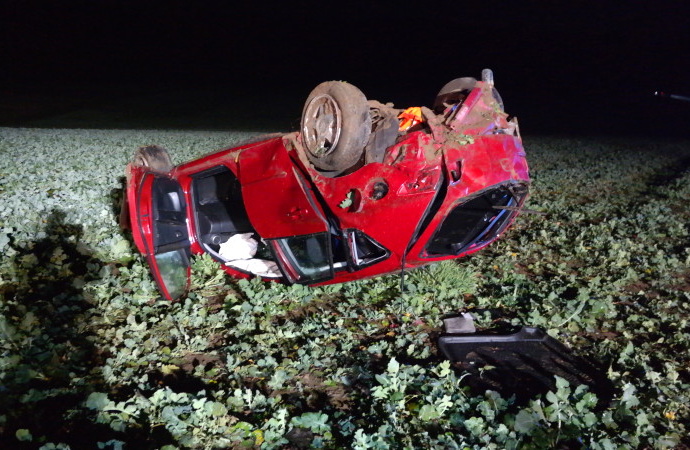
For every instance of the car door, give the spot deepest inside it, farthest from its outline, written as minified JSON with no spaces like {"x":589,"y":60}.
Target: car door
{"x":284,"y":210}
{"x":161,"y":213}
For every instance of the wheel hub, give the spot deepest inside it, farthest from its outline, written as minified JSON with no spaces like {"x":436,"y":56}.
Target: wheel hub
{"x":322,"y":125}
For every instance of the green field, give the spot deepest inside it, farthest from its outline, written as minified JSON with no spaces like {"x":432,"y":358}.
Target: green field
{"x":91,"y":357}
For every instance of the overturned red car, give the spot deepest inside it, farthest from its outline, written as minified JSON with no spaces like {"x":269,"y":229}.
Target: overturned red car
{"x":362,"y":189}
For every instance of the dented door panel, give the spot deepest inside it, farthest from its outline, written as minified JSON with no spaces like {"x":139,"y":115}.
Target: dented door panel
{"x":278,"y":202}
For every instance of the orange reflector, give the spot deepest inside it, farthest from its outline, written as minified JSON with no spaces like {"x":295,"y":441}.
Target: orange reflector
{"x":410,"y":117}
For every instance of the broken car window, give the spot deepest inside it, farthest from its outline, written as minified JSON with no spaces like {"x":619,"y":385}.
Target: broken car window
{"x":308,"y":258}
{"x":173,"y":267}
{"x":364,"y":250}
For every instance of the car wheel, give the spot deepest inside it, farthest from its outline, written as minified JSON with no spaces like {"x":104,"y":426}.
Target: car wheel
{"x":452,"y":92}
{"x":155,"y":158}
{"x":336,"y":125}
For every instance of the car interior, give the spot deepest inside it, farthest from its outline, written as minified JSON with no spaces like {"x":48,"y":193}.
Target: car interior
{"x":220,"y":212}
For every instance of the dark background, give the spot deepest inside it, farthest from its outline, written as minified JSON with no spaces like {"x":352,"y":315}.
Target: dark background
{"x":574,"y":68}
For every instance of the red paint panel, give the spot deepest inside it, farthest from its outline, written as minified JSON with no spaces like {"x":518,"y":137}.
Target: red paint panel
{"x":489,"y":161}
{"x":279,"y":203}
{"x":411,"y":170}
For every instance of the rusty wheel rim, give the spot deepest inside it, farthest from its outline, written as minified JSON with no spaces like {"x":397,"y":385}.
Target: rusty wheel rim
{"x":322,"y":125}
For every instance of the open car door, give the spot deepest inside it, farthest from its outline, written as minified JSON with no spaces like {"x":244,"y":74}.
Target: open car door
{"x":284,"y":210}
{"x":161,"y":215}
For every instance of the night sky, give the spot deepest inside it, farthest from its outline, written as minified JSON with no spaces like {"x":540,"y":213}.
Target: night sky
{"x":587,"y":68}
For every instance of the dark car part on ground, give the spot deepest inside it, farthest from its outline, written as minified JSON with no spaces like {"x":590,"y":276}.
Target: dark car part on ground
{"x":523,"y":363}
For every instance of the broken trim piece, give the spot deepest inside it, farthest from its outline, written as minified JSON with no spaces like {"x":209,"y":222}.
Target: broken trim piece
{"x":523,"y":364}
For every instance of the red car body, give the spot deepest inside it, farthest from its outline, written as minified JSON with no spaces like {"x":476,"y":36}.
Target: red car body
{"x":443,"y":189}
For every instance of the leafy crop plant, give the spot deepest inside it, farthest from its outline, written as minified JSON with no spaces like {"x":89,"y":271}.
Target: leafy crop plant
{"x":91,"y":357}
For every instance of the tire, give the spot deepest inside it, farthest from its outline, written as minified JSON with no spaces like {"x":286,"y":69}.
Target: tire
{"x":155,"y":158}
{"x":452,"y":91}
{"x":335,"y":126}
